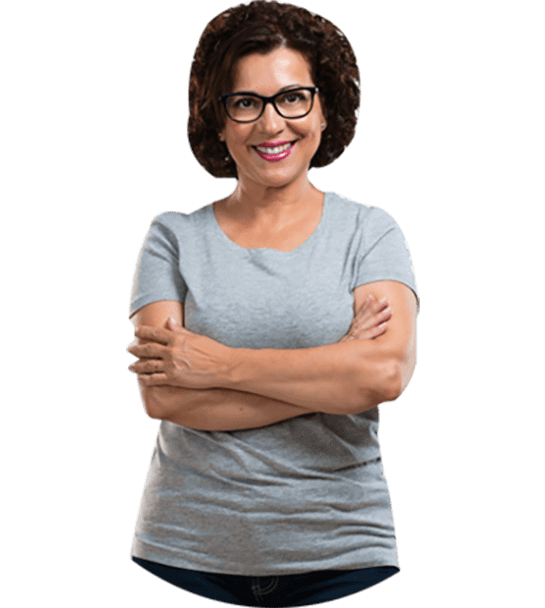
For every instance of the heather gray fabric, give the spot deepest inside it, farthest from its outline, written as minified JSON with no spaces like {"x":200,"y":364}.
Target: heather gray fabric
{"x":307,"y":493}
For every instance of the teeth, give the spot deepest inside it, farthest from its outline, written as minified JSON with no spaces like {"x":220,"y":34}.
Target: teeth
{"x":275,"y":150}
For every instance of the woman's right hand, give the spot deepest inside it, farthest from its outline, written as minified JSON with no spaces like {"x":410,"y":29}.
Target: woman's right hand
{"x":370,"y":320}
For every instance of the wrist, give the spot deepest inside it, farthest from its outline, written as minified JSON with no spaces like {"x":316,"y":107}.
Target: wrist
{"x":227,"y":376}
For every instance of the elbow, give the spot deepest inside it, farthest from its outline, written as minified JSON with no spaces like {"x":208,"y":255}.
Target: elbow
{"x":397,"y":374}
{"x":152,"y":404}
{"x":153,"y":410}
{"x":384,"y":376}
{"x":387,"y":386}
{"x":392,"y":383}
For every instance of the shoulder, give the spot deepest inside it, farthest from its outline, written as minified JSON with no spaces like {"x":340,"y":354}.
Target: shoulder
{"x":367,"y":219}
{"x":170,"y":220}
{"x":177,"y":225}
{"x":178,"y":218}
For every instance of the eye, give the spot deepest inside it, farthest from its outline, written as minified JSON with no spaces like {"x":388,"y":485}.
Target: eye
{"x":293,"y":97}
{"x":243,"y":103}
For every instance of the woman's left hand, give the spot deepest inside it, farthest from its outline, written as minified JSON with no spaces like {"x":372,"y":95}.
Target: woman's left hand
{"x":177,"y":357}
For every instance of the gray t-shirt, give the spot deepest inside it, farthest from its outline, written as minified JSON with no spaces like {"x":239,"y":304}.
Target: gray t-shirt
{"x":304,"y":494}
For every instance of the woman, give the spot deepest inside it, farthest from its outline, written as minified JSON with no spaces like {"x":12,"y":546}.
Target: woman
{"x":269,"y":326}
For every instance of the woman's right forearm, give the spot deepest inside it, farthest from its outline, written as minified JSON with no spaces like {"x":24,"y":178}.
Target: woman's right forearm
{"x":220,"y":409}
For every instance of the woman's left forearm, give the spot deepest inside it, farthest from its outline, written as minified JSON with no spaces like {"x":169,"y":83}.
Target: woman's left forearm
{"x":351,"y":376}
{"x":336,"y":378}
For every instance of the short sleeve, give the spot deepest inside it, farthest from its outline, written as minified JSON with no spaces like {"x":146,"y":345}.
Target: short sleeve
{"x":384,"y":255}
{"x":157,"y":276}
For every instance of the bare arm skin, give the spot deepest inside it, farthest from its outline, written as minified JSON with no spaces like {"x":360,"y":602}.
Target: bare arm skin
{"x":224,"y":409}
{"x":219,"y":409}
{"x":205,"y":409}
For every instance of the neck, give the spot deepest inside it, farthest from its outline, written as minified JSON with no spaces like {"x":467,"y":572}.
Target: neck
{"x":269,"y":205}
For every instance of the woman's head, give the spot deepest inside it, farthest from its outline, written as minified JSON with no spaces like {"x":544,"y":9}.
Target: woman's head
{"x":258,"y":29}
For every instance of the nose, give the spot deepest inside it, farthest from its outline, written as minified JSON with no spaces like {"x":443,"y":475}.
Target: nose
{"x":271,"y":121}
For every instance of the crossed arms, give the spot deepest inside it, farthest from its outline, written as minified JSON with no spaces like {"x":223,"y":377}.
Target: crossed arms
{"x":262,"y":387}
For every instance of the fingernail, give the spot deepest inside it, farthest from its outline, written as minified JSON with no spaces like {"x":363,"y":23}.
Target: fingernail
{"x":173,"y":320}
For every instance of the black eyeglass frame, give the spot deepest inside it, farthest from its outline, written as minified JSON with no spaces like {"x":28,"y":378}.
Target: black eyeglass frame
{"x":271,"y":99}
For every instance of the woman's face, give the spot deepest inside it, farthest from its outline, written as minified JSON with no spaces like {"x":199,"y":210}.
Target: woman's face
{"x":267,"y":75}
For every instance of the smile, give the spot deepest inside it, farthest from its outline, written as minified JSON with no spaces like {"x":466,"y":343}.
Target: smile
{"x":275,"y":153}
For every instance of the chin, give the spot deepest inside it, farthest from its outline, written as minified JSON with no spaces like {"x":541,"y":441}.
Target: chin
{"x":279,"y":178}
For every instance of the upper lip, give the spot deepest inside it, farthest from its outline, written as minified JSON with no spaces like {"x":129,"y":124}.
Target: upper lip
{"x":272,"y":144}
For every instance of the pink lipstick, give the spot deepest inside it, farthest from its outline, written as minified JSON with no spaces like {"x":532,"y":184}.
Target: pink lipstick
{"x":279,"y":150}
{"x":273,"y":144}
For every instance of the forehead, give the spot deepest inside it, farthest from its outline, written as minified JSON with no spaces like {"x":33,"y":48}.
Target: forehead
{"x":266,"y":74}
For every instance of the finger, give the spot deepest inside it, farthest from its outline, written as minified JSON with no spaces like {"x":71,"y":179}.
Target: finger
{"x":365,"y":313}
{"x":173,"y":325}
{"x":378,"y":306}
{"x":384,"y":314}
{"x":378,"y":330}
{"x":372,"y":321}
{"x":372,"y":332}
{"x":366,"y":304}
{"x":147,"y":366}
{"x":370,"y":307}
{"x":152,"y":379}
{"x":369,"y":314}
{"x":147,"y":351}
{"x":157,"y":334}
{"x":368,"y":300}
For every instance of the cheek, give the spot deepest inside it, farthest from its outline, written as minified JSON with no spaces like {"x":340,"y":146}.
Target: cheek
{"x":240,"y":134}
{"x":310,"y":129}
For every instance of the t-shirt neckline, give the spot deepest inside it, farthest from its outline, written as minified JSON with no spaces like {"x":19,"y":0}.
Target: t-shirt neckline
{"x":232,"y":244}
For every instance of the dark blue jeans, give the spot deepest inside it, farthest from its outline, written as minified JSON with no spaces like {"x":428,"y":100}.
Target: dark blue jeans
{"x":272,"y":591}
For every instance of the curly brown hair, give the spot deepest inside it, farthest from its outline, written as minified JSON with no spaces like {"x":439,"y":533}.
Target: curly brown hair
{"x":260,"y":27}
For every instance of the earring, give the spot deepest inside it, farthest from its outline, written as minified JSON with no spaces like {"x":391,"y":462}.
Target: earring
{"x":323,"y":125}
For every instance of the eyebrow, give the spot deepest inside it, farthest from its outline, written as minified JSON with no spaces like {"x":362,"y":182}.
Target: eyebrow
{"x":286,"y":88}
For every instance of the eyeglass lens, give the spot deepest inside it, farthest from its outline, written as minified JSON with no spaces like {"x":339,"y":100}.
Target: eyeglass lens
{"x":290,"y":104}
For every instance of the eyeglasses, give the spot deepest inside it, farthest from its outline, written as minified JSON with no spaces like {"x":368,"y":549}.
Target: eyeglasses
{"x":247,"y":107}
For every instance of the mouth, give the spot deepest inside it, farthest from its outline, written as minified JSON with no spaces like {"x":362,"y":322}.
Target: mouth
{"x":276,"y":151}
